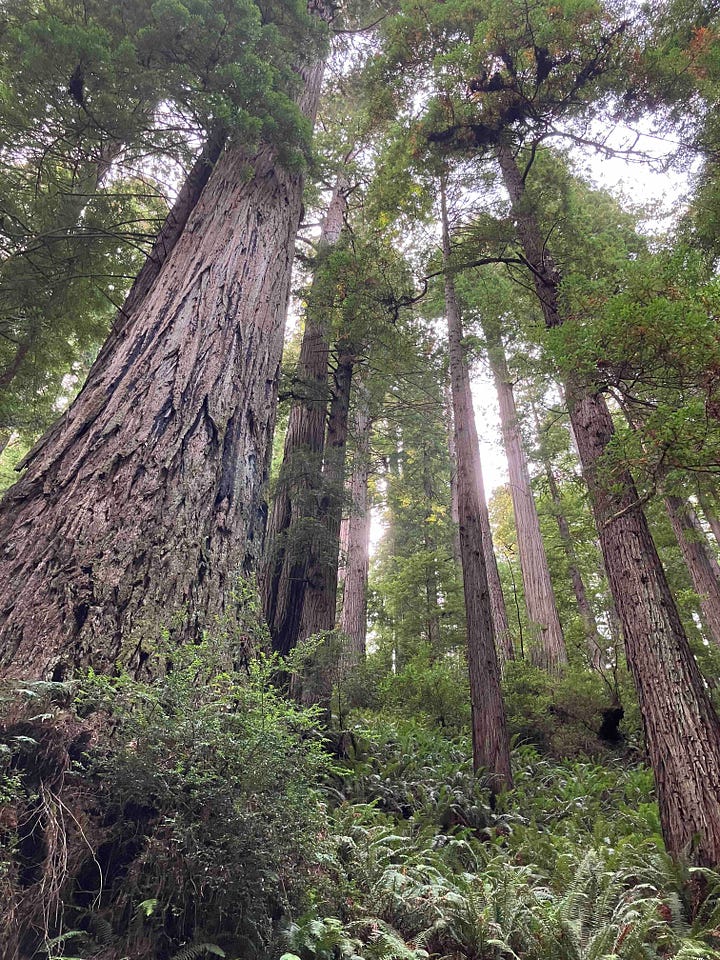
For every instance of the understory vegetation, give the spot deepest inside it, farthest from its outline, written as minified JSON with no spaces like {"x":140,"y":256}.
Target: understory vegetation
{"x":204,"y":814}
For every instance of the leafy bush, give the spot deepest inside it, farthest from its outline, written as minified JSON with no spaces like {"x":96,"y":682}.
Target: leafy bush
{"x":191,"y":816}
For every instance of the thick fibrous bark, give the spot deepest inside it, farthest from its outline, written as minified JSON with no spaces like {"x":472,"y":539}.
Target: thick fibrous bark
{"x":702,"y":566}
{"x":148,"y":501}
{"x":547,"y":647}
{"x":296,"y":503}
{"x":490,"y":739}
{"x":353,"y":620}
{"x":320,"y":606}
{"x":681,"y":728}
{"x":171,"y":231}
{"x":503,"y":638}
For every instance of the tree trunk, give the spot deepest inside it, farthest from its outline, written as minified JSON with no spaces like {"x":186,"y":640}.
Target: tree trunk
{"x":171,"y":231}
{"x":491,"y":749}
{"x":320,"y":607}
{"x":710,"y":515}
{"x":681,"y":728}
{"x":431,"y":583}
{"x":454,"y":510}
{"x":296,"y":505}
{"x":503,"y":637}
{"x":702,"y":566}
{"x":353,"y":620}
{"x":149,"y":500}
{"x":595,"y":642}
{"x":547,"y":644}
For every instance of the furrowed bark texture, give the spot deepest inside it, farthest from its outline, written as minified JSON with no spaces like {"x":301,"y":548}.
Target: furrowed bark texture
{"x":681,"y":728}
{"x":547,"y":646}
{"x":702,"y":566}
{"x":171,"y":231}
{"x":503,"y":638}
{"x":353,"y":620}
{"x":491,"y":750}
{"x":148,"y":502}
{"x":296,"y":504}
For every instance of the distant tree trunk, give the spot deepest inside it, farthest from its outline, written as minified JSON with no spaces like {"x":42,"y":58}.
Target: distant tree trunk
{"x":491,"y":749}
{"x":681,"y":728}
{"x":547,"y":647}
{"x":149,"y":500}
{"x":320,"y":607}
{"x":503,"y":637}
{"x":353,"y":620}
{"x":431,"y":583}
{"x":702,"y":566}
{"x":595,"y":642}
{"x":295,"y":507}
{"x":454,"y":510}
{"x":711,"y":515}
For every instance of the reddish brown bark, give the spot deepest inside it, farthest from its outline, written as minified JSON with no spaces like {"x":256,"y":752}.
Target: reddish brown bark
{"x":149,"y":498}
{"x":320,"y":607}
{"x":547,"y":644}
{"x":171,"y":230}
{"x":681,"y":728}
{"x":595,"y":642}
{"x":295,"y":507}
{"x":503,"y":637}
{"x":353,"y":620}
{"x":491,"y":750}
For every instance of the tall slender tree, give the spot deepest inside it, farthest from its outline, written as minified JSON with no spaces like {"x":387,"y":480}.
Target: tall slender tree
{"x":353,"y":619}
{"x":490,"y":739}
{"x":547,"y":647}
{"x":296,"y":504}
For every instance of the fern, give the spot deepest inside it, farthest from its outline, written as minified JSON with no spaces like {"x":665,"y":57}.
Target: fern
{"x":193,"y":950}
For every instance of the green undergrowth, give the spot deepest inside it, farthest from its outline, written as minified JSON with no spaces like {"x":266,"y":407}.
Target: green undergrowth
{"x":202,"y":814}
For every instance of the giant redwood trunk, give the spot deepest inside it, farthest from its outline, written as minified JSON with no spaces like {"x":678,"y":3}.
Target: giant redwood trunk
{"x":491,"y":750}
{"x":149,"y":500}
{"x":170,"y":232}
{"x":547,"y":644}
{"x":353,"y":619}
{"x":295,"y":508}
{"x":681,"y":727}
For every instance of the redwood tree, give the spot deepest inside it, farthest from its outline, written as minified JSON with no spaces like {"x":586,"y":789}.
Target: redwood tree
{"x":491,"y":750}
{"x":547,"y":648}
{"x":147,"y":503}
